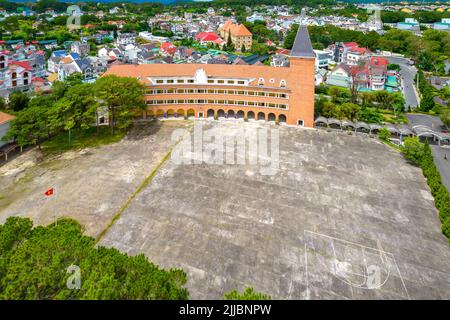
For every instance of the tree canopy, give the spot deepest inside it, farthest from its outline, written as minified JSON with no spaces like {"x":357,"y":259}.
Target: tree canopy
{"x":247,"y":294}
{"x":74,"y":105}
{"x":37,"y":263}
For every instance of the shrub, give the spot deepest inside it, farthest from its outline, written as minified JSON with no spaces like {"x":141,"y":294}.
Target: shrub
{"x":446,"y":228}
{"x":413,"y":150}
{"x":384,"y":134}
{"x":420,"y":154}
{"x":247,"y":294}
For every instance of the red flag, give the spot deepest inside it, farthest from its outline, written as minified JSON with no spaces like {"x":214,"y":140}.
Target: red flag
{"x":49,"y":192}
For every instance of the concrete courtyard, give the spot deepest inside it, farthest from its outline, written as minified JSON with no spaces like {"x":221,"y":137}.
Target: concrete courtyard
{"x":340,"y":217}
{"x":338,"y":208}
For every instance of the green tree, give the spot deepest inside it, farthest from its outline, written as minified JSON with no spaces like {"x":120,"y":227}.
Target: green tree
{"x":413,"y":150}
{"x":18,"y":101}
{"x":121,"y":96}
{"x":445,"y":116}
{"x":2,"y":104}
{"x":34,"y":264}
{"x":29,"y":127}
{"x":393,"y":66}
{"x":74,"y":79}
{"x":229,"y":46}
{"x":350,"y":111}
{"x":427,"y":102}
{"x":371,"y":115}
{"x":290,"y":37}
{"x":247,"y":294}
{"x":77,"y":109}
{"x":383,"y":99}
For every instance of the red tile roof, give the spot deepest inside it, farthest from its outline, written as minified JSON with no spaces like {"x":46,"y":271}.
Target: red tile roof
{"x":23,"y":64}
{"x":283,"y":51}
{"x":350,"y":44}
{"x":4,"y":117}
{"x":238,"y":30}
{"x":168,"y":47}
{"x":207,"y":36}
{"x":378,"y":61}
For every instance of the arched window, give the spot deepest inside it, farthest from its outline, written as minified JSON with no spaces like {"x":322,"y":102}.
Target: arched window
{"x":283,"y":83}
{"x":261,"y":82}
{"x":272,"y":80}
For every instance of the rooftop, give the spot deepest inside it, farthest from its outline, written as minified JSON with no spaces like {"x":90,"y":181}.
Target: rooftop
{"x":302,"y":47}
{"x":4,"y":117}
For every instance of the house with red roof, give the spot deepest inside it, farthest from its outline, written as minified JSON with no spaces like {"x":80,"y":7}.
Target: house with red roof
{"x":167,"y":49}
{"x":284,"y":52}
{"x":355,"y":54}
{"x":349,"y":53}
{"x":209,"y":37}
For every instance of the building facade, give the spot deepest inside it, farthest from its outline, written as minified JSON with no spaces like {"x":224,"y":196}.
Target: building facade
{"x":280,"y":94}
{"x":241,"y":37}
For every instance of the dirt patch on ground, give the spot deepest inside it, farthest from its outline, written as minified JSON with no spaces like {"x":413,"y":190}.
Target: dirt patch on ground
{"x":91,"y":184}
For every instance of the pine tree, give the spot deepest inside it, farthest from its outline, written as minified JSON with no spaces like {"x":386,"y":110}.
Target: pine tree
{"x":229,"y":46}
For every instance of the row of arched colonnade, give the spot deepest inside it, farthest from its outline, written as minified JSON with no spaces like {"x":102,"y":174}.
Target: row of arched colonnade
{"x":225,"y":113}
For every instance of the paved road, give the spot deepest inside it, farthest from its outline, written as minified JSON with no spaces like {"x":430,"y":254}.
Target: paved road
{"x":442,"y":164}
{"x":438,"y":152}
{"x":408,"y":74}
{"x":425,"y":120}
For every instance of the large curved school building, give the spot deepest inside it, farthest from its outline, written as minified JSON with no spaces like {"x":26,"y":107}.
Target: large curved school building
{"x":280,"y":94}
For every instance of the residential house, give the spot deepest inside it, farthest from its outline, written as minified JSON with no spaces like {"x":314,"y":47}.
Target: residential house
{"x":183,"y":53}
{"x":410,"y":24}
{"x":124,"y":39}
{"x":55,"y":59}
{"x":18,"y":76}
{"x":377,"y":72}
{"x":81,"y":48}
{"x":241,"y":37}
{"x":145,"y":57}
{"x":444,"y":25}
{"x":37,"y":64}
{"x":339,"y":76}
{"x":89,"y":67}
{"x":323,"y":58}
{"x":209,"y":37}
{"x":279,"y":60}
{"x":255,"y":17}
{"x":349,"y":53}
{"x":110,"y":54}
{"x":320,"y":76}
{"x":167,"y":49}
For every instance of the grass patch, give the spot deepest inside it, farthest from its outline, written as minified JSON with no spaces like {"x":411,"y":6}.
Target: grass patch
{"x":81,"y":139}
{"x":393,"y":145}
{"x":391,"y":118}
